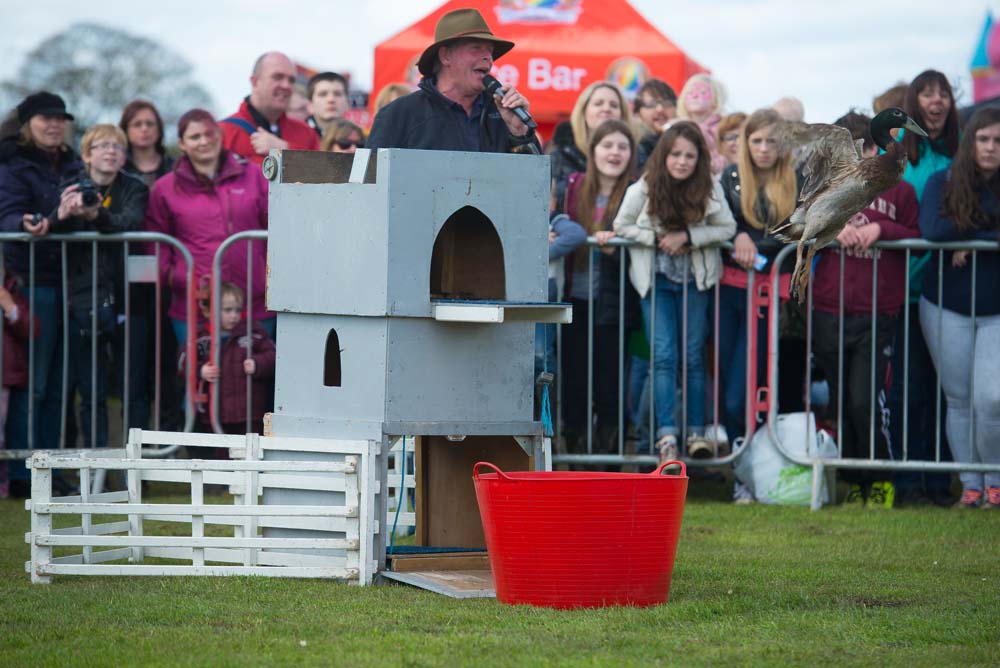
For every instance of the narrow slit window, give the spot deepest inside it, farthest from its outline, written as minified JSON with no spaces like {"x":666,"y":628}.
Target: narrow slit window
{"x":331,"y":360}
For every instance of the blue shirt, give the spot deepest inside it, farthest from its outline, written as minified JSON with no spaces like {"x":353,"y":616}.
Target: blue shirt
{"x":468,"y":122}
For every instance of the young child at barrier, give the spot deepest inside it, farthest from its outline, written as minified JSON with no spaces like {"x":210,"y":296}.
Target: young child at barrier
{"x":241,"y":360}
{"x":16,"y":330}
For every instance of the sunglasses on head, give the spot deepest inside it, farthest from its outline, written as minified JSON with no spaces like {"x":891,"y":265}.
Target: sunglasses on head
{"x":345,"y":144}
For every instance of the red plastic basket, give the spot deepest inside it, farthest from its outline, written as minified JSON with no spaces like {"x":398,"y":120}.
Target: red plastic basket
{"x":573,"y":539}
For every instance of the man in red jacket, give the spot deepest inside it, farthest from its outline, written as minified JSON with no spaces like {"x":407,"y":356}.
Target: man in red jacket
{"x":262,"y":122}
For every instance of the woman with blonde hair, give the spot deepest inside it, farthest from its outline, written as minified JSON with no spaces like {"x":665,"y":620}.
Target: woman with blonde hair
{"x":391,"y":93}
{"x":599,"y":102}
{"x":762,"y":189}
{"x":343,"y":136}
{"x":701,"y":100}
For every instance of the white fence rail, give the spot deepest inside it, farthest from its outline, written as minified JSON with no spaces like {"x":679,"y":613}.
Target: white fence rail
{"x":122,"y":546}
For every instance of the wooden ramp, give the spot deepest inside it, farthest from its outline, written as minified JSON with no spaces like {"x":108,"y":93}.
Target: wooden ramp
{"x":454,"y":574}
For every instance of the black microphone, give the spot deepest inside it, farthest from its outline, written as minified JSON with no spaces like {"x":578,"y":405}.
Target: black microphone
{"x":493,"y":88}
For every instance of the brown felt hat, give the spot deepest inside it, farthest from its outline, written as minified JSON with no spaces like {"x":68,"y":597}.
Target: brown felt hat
{"x":460,"y":24}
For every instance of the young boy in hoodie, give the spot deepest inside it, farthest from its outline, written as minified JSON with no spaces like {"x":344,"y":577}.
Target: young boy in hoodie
{"x":242,"y":360}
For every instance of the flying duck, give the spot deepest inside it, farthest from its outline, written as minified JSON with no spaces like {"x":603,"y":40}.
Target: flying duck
{"x":839,"y":182}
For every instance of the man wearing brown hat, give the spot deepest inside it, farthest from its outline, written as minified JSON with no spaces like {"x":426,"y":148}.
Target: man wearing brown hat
{"x":451,"y":110}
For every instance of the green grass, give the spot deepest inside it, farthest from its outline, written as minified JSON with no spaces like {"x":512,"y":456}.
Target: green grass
{"x":751,"y":586}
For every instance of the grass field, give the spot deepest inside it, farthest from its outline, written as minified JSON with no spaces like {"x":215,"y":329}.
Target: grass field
{"x":751,"y":586}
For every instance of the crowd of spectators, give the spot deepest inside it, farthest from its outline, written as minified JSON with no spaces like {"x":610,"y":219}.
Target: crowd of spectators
{"x":676,"y":175}
{"x":853,"y":325}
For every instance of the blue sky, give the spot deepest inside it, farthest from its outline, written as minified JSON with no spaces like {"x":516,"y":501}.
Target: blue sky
{"x":831,"y":55}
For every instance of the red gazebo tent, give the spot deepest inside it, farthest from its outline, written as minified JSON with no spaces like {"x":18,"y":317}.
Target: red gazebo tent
{"x":561,"y":46}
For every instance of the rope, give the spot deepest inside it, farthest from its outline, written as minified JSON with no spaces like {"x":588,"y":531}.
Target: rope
{"x":546,"y":406}
{"x":400,"y":497}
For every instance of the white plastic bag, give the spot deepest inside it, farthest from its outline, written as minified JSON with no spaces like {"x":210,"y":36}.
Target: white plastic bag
{"x":772,"y":477}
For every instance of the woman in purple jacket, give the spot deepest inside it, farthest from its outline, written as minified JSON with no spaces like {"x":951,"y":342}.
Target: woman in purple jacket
{"x":210,"y":195}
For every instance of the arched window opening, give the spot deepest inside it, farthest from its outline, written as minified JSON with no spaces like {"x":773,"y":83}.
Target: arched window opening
{"x":467,"y":262}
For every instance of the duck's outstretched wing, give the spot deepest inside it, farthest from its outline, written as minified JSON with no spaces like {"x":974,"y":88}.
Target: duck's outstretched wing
{"x":819,"y":150}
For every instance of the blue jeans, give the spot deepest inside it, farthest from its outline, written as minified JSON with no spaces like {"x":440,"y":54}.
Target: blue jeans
{"x":665,"y":338}
{"x":638,"y":407}
{"x":47,"y":404}
{"x":732,"y":362}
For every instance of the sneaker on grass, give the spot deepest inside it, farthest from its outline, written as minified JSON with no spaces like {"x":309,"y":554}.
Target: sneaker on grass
{"x":855,"y":496}
{"x":992,"y":498}
{"x":881,"y":495}
{"x":742,"y":495}
{"x":971,"y":498}
{"x":699,"y":447}
{"x":666,"y":446}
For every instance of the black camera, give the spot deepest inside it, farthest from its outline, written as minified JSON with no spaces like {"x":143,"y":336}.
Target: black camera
{"x":89,"y":191}
{"x":87,"y":188}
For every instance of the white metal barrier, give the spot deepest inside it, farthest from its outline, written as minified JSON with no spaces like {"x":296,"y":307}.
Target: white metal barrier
{"x":130,"y":542}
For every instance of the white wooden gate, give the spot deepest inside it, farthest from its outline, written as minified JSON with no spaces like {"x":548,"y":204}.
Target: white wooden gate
{"x":123,"y":547}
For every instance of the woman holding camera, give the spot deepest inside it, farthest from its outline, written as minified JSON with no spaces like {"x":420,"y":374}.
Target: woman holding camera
{"x":106,"y":200}
{"x":35,"y":163}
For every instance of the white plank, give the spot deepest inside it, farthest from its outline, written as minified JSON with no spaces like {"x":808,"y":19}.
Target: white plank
{"x":265,"y":571}
{"x":200,"y":465}
{"x":192,"y":439}
{"x":327,"y":445}
{"x":97,"y":557}
{"x":205,"y":541}
{"x":271,"y":558}
{"x":95,"y":530}
{"x":467,"y":313}
{"x":264,"y":557}
{"x":184,"y":477}
{"x":336,"y":524}
{"x":104,"y":497}
{"x":334,"y":483}
{"x":189,"y":510}
{"x":65,"y":452}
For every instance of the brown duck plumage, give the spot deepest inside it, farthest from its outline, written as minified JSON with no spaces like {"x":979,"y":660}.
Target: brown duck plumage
{"x":839,"y":182}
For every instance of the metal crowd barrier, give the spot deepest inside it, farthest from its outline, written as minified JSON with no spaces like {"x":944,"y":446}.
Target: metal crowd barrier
{"x":760,"y":405}
{"x":818,"y":464}
{"x":764,"y":403}
{"x":96,"y":240}
{"x":248,"y":236}
{"x":755,"y":298}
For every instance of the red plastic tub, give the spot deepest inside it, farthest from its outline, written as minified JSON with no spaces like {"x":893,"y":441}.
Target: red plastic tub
{"x":572,"y":539}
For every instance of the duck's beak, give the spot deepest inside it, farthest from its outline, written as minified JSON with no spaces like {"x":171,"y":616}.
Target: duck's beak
{"x":912,"y":126}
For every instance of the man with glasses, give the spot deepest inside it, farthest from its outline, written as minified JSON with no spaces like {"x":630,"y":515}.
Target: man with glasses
{"x":655,"y":106}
